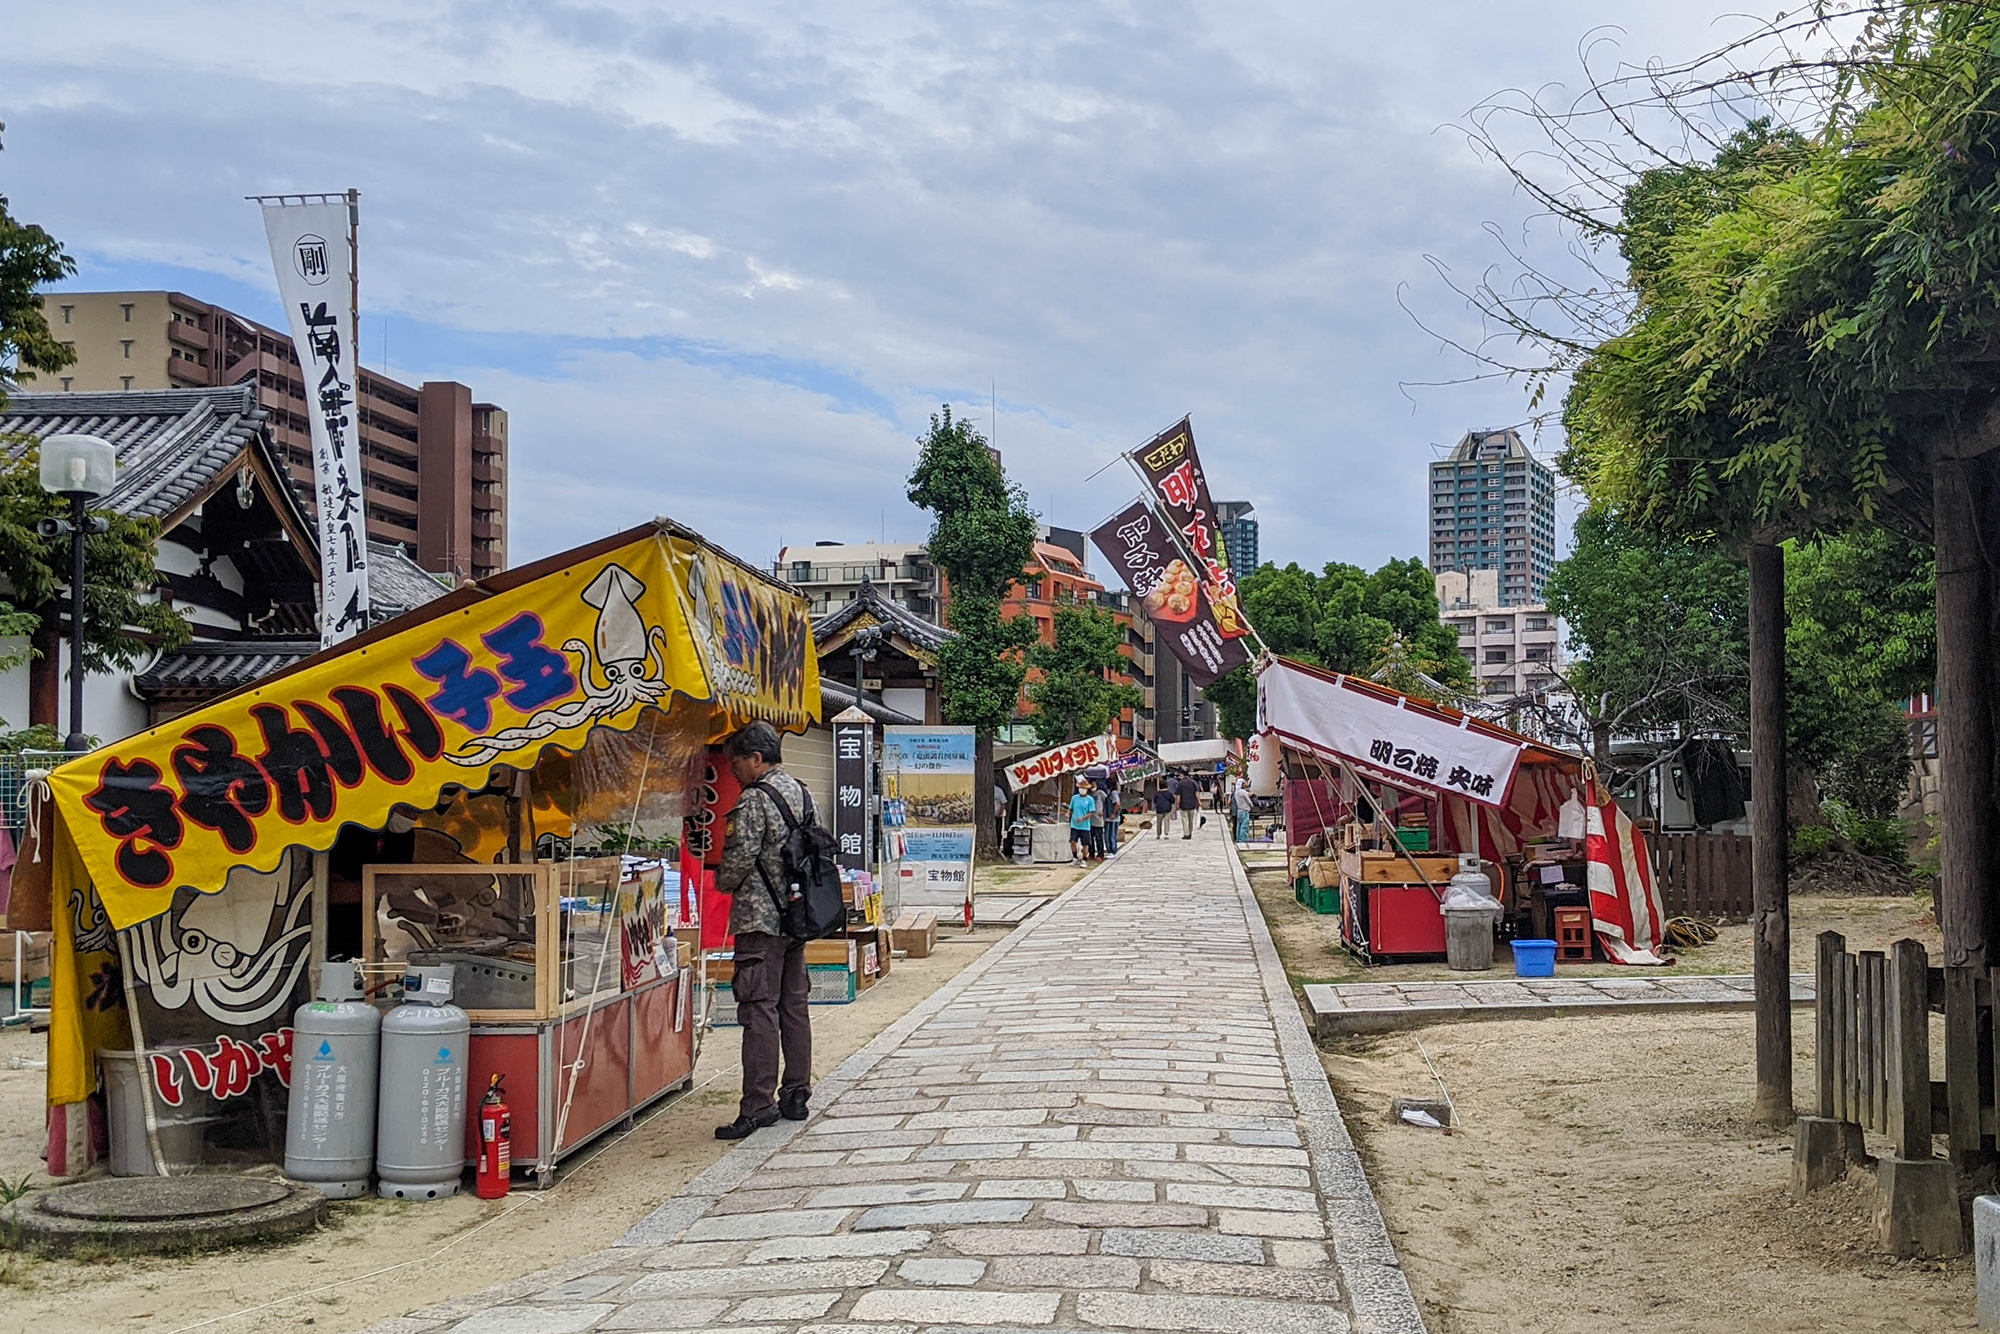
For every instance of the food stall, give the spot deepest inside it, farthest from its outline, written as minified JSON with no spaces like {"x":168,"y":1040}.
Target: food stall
{"x":1383,"y":792}
{"x":515,"y":780}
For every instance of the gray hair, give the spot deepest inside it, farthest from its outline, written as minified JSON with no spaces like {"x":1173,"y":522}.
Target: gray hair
{"x":759,"y":738}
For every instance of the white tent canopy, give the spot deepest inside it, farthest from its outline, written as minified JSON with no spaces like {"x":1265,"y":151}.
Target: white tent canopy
{"x":1193,"y":752}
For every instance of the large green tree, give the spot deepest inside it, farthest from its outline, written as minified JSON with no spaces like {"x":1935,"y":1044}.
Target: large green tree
{"x":1343,"y":618}
{"x":1073,"y":693}
{"x":982,"y":537}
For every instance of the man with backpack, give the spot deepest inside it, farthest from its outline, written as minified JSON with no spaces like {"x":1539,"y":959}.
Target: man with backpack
{"x":770,"y":983}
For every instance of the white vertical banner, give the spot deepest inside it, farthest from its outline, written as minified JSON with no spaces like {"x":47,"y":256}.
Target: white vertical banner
{"x":311,"y":251}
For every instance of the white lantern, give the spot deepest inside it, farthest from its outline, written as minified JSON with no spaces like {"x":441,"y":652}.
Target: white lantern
{"x":1262,"y":763}
{"x":78,"y":465}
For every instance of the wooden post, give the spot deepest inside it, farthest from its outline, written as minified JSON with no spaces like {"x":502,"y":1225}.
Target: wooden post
{"x":1875,"y":1083}
{"x":1831,"y":946}
{"x":1910,"y":1051}
{"x":1965,"y":706}
{"x":1770,"y":909}
{"x":1961,"y":1061}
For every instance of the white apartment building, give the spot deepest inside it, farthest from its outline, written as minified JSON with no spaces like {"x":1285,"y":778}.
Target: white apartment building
{"x":1513,"y":650}
{"x":830,"y":574}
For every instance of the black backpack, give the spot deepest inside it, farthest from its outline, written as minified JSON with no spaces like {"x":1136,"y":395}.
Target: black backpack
{"x":811,"y":906}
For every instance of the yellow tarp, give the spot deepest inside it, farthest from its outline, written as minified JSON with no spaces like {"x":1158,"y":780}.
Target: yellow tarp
{"x":396,"y":720}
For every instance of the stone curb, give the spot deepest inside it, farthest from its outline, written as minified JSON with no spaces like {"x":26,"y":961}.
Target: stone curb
{"x":1333,"y":1018}
{"x":1378,"y":1292}
{"x":666,"y":1223}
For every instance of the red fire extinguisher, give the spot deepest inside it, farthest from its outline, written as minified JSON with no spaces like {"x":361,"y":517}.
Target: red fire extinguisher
{"x":496,"y":1131}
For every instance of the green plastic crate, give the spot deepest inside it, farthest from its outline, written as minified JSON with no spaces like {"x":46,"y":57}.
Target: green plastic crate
{"x":1323,"y":901}
{"x":1414,"y":840}
{"x":832,"y":984}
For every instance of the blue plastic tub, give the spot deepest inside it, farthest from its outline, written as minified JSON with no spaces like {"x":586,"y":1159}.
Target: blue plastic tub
{"x":1534,"y":958}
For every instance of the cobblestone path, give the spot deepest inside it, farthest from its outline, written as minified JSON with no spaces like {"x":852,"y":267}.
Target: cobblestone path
{"x":1115,"y":1120}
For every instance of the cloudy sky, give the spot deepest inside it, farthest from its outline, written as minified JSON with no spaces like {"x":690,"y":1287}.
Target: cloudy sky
{"x":722,"y":260}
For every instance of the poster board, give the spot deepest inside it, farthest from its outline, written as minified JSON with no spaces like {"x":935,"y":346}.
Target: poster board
{"x":927,"y":794}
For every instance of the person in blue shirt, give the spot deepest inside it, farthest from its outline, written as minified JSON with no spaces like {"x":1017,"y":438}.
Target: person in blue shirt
{"x":1082,"y":811}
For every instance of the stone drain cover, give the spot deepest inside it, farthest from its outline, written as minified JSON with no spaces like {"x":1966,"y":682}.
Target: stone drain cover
{"x":137,"y":1199}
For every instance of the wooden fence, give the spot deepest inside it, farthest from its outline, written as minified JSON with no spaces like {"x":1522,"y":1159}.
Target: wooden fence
{"x":1874,"y":1046}
{"x":1706,"y":875}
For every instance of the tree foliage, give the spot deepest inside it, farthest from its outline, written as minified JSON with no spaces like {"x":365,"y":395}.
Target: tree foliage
{"x":1344,"y":619}
{"x":1074,"y":695}
{"x":982,"y":537}
{"x":30,"y":259}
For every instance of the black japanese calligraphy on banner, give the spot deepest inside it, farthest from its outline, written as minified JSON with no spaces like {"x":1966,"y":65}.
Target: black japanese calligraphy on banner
{"x":853,"y":763}
{"x":309,"y":250}
{"x":1139,"y":548}
{"x":1173,"y":470}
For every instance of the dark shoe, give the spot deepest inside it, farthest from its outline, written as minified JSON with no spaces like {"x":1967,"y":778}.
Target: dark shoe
{"x":743,"y":1126}
{"x":792,"y":1106}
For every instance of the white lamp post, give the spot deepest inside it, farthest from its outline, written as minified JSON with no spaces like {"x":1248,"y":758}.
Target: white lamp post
{"x":81,"y":467}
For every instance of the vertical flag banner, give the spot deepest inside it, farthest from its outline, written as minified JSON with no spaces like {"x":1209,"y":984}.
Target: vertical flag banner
{"x":853,"y":763}
{"x":1173,"y":472}
{"x":310,"y":250}
{"x":1140,"y":548}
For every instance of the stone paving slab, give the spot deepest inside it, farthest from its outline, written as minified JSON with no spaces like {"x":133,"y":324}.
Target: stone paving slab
{"x":1384,"y":1007}
{"x":1114,"y":1120}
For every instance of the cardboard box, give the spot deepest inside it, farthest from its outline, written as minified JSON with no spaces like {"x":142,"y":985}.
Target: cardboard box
{"x":34,"y":956}
{"x":915,"y":933}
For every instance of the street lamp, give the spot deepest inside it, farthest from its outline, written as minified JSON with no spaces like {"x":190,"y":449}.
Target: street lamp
{"x":81,"y":467}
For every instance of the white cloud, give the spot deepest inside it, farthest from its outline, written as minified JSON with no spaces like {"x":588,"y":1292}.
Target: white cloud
{"x":1118,"y":212}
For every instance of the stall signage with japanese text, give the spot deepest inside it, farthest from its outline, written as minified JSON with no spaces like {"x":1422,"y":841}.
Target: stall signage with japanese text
{"x":927,"y":801}
{"x":1085,"y":754}
{"x":309,"y":250}
{"x":853,"y":827}
{"x":1140,"y":548}
{"x":288,"y":763}
{"x":1311,"y":713}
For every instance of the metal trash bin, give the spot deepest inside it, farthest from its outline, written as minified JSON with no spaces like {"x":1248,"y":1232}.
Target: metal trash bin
{"x":1021,"y":842}
{"x":181,"y":1128}
{"x":1468,"y":939}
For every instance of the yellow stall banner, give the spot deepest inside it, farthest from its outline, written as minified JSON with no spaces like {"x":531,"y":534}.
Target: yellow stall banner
{"x":396,"y":720}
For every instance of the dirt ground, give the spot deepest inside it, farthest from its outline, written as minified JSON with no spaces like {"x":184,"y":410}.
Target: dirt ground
{"x":1310,"y":943}
{"x":378,"y":1259}
{"x":1604,"y":1176}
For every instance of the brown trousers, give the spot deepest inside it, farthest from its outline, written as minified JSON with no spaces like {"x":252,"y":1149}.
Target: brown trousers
{"x":770,"y":986}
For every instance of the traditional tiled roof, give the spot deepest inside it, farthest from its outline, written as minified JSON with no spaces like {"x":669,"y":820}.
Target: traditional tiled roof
{"x":173,"y":444}
{"x":203,"y":671}
{"x":835,"y":697}
{"x":885,"y":611}
{"x":396,"y":583}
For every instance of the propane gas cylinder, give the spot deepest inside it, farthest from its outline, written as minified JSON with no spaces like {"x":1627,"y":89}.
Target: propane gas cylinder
{"x":330,"y":1119}
{"x":420,"y":1118}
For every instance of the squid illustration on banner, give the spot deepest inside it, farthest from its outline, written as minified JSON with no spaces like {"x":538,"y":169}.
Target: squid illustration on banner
{"x":288,"y":763}
{"x":312,"y":253}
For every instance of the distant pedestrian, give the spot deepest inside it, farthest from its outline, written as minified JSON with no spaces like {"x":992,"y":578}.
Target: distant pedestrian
{"x":1000,"y":818}
{"x":1239,"y":802}
{"x":1163,"y":807}
{"x":1081,"y":807}
{"x":1114,"y":812}
{"x":1187,"y":798}
{"x":1097,"y":821}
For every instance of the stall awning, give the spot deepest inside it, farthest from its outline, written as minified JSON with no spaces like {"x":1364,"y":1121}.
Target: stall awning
{"x":491,"y":674}
{"x":1193,"y":752}
{"x":1070,"y":757}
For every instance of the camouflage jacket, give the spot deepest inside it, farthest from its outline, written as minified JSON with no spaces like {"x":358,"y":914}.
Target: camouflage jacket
{"x":755,"y":833}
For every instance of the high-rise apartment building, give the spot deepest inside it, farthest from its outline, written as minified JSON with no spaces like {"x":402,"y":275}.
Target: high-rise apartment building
{"x":1239,"y":535}
{"x":1514,"y":650}
{"x":433,"y":462}
{"x":830,"y":574}
{"x":1493,"y":507}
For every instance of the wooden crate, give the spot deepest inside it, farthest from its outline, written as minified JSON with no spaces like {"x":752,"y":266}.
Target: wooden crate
{"x":1393,"y":868}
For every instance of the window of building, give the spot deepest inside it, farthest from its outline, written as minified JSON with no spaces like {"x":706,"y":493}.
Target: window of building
{"x":67,"y":312}
{"x":126,"y":343}
{"x":1538,"y":622}
{"x":124,"y":382}
{"x":126,"y":306}
{"x":65,"y":383}
{"x":1541,"y":652}
{"x":1499,"y":685}
{"x":1496,"y":655}
{"x":1499,"y":624}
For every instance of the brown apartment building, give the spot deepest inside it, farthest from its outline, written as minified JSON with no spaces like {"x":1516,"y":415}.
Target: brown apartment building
{"x":434,"y":461}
